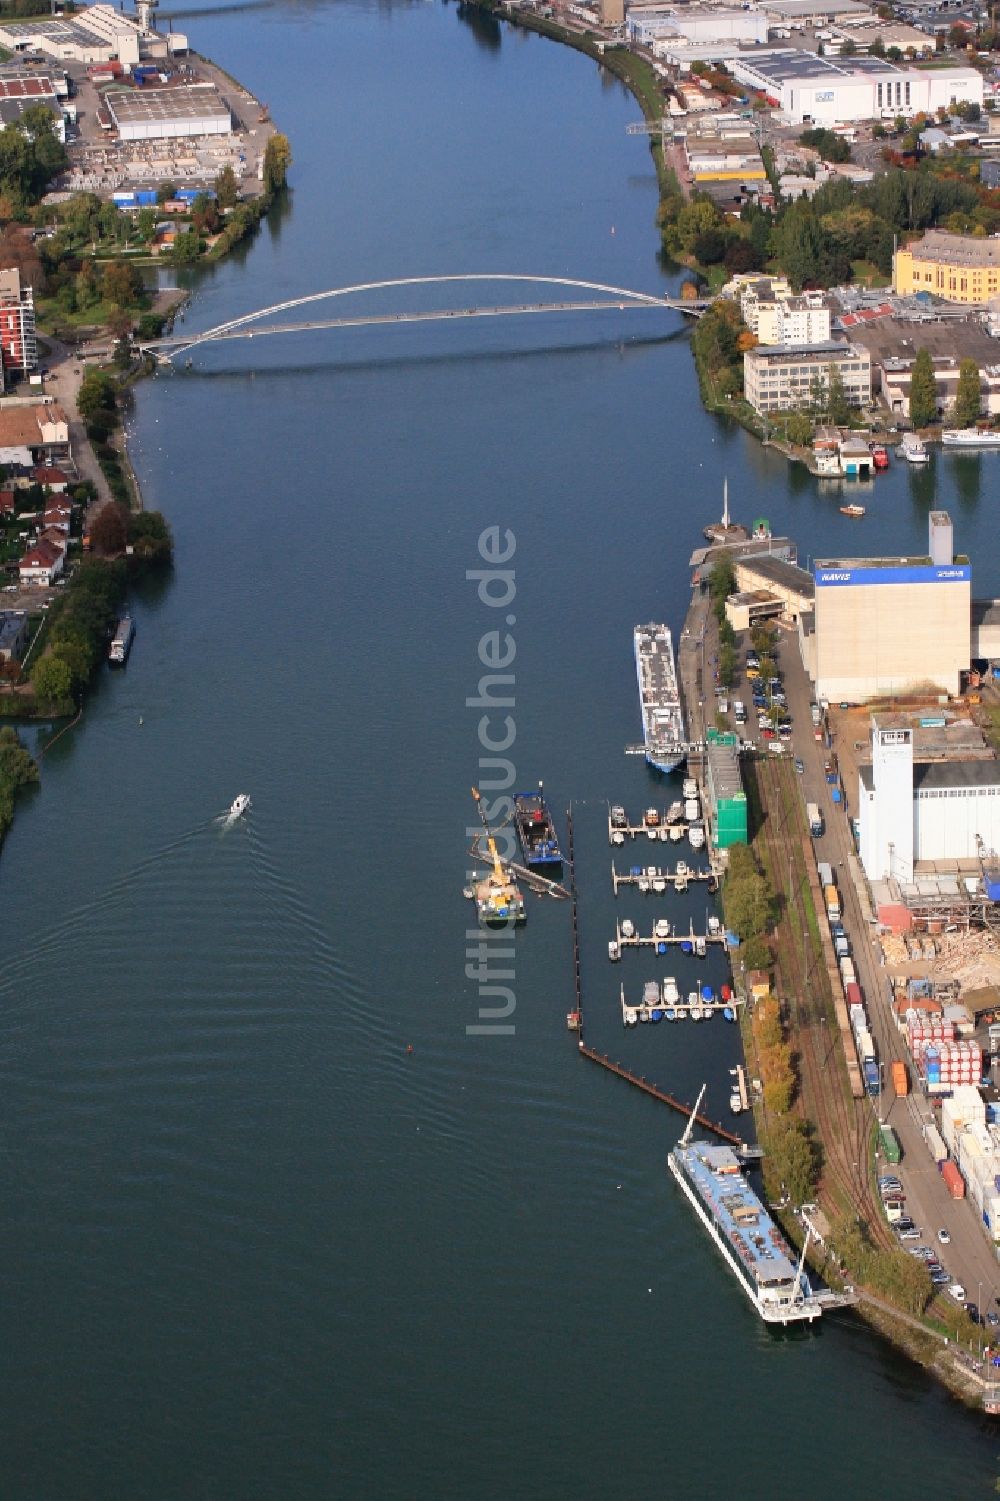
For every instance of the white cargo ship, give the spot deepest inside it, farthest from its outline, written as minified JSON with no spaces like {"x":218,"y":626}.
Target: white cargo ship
{"x":750,"y":1241}
{"x":659,"y":697}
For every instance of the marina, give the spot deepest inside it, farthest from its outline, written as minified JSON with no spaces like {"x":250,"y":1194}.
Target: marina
{"x":664,"y":1003}
{"x":659,"y":827}
{"x":664,"y":936}
{"x":656,"y":878}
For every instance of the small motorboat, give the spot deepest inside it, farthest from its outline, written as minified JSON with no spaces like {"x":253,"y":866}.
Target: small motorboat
{"x":651,"y":818}
{"x":700,"y":946}
{"x":617,"y":837}
{"x":664,"y":835}
{"x":687,"y":947}
{"x":663,"y":927}
{"x":735,"y":1103}
{"x":682,"y":870}
{"x":729,"y":1013}
{"x":725,"y":992}
{"x":631,"y":1016}
{"x":691,"y":809}
{"x":643,"y":883}
{"x":661,"y":947}
{"x":913,"y":450}
{"x":656,"y":1015}
{"x":689,"y":787}
{"x":239,"y":806}
{"x":671,"y":995}
{"x":852,"y":510}
{"x":659,"y":883}
{"x":675,"y":812}
{"x":696,"y":834}
{"x":714,"y":927}
{"x":618,"y":819}
{"x":671,"y":1014}
{"x":628,"y":928}
{"x":676,"y":833}
{"x":692,"y":1006}
{"x":614,"y":952}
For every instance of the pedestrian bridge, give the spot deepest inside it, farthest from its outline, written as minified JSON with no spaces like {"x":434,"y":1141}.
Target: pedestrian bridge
{"x":257,"y":325}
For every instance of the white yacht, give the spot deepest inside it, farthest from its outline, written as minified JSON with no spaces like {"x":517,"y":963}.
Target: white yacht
{"x":913,"y":449}
{"x":239,"y":806}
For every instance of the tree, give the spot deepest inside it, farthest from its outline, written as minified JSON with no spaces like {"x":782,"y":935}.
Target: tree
{"x":205,"y":214}
{"x":166,"y":191}
{"x":958,"y":36}
{"x":96,"y":394}
{"x":226,"y":188}
{"x":277,"y":160}
{"x":923,"y":391}
{"x":121,"y":284}
{"x":52,"y":679}
{"x":791,"y":1161}
{"x":849,"y":47}
{"x":710,"y":246}
{"x":749,"y":901}
{"x":188,"y":246}
{"x":967,"y":398}
{"x":757,"y":953}
{"x":742,"y":255}
{"x":109,"y":531}
{"x":727,"y":665}
{"x":836,"y":397}
{"x":799,"y":429}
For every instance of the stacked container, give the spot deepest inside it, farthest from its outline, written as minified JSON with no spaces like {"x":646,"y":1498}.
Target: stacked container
{"x":953,"y":1180}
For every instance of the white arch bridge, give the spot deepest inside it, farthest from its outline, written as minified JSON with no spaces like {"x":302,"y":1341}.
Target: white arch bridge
{"x":253,"y":325}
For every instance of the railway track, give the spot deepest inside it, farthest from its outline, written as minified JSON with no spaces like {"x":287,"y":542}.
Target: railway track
{"x":842,"y":1122}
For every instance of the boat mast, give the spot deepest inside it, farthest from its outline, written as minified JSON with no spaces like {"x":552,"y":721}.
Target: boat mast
{"x":799,"y":1294}
{"x":697,"y":1106}
{"x":725,"y":501}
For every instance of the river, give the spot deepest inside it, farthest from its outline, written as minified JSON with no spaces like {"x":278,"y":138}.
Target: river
{"x":254,"y":1246}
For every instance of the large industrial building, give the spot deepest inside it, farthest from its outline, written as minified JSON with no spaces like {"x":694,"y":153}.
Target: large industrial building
{"x":892,"y":625}
{"x":957,"y":268}
{"x":779,"y":378}
{"x":196,"y":109}
{"x":97,"y":34}
{"x":814,"y":90}
{"x":929,"y":811}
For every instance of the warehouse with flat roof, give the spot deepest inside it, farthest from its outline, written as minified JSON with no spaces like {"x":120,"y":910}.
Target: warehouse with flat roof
{"x":815,"y":90}
{"x":196,"y":109}
{"x":893,"y":625}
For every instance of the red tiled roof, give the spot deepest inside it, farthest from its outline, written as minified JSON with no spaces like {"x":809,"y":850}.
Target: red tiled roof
{"x":42,"y":555}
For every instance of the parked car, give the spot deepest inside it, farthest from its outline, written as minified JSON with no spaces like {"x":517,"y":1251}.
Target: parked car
{"x":957,"y":1291}
{"x":799,"y":766}
{"x":944,"y":1237}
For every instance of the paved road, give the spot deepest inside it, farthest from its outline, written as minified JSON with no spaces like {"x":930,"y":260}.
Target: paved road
{"x":969,"y":1258}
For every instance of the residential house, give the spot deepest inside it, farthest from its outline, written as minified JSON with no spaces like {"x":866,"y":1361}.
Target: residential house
{"x":13,"y":634}
{"x":42,"y":564}
{"x":58,"y":516}
{"x":53,"y":479}
{"x":33,"y":434}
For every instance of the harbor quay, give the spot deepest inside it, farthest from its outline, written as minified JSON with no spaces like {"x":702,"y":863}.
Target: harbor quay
{"x":891,"y":806}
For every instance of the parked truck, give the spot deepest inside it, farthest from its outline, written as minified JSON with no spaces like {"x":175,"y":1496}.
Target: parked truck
{"x":890,"y":1145}
{"x":815,"y":819}
{"x":832,"y":899}
{"x":847,"y":974}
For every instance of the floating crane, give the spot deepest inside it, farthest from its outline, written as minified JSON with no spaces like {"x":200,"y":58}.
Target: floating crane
{"x":498,"y":900}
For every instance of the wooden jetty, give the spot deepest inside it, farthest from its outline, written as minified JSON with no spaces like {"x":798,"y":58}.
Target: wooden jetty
{"x":697,"y":1010}
{"x":656,"y":878}
{"x":639,"y":940}
{"x":641,"y":1082}
{"x":574,"y":1019}
{"x":661,"y":833}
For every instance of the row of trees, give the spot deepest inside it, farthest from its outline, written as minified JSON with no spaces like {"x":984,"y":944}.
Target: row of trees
{"x":17,"y":769}
{"x":774,"y":1056}
{"x":749,"y":905}
{"x":903,"y":1279}
{"x":31,"y":155}
{"x":718,"y":341}
{"x":79,"y":623}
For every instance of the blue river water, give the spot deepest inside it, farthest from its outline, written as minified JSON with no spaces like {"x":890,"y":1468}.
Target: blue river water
{"x":277,"y":1225}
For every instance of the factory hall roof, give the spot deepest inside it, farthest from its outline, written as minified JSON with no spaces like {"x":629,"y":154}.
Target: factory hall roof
{"x":189,"y":102}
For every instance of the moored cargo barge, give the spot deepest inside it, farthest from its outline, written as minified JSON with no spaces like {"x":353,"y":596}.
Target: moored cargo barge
{"x":535,"y":829}
{"x":121,"y":643}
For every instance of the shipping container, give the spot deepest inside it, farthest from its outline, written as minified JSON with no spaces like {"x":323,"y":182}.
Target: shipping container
{"x":832,"y":903}
{"x":814,"y":819}
{"x":900,"y":1078}
{"x":953,"y":1179}
{"x":890,"y":1144}
{"x":935,"y":1145}
{"x":825,"y":871}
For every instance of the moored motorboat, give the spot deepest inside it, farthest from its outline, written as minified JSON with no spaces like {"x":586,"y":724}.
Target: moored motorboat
{"x":913,"y":450}
{"x":628,"y":928}
{"x":614,"y":952}
{"x":971,"y":437}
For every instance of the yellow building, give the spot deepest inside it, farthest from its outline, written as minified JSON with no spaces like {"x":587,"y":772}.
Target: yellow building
{"x":959,"y":268}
